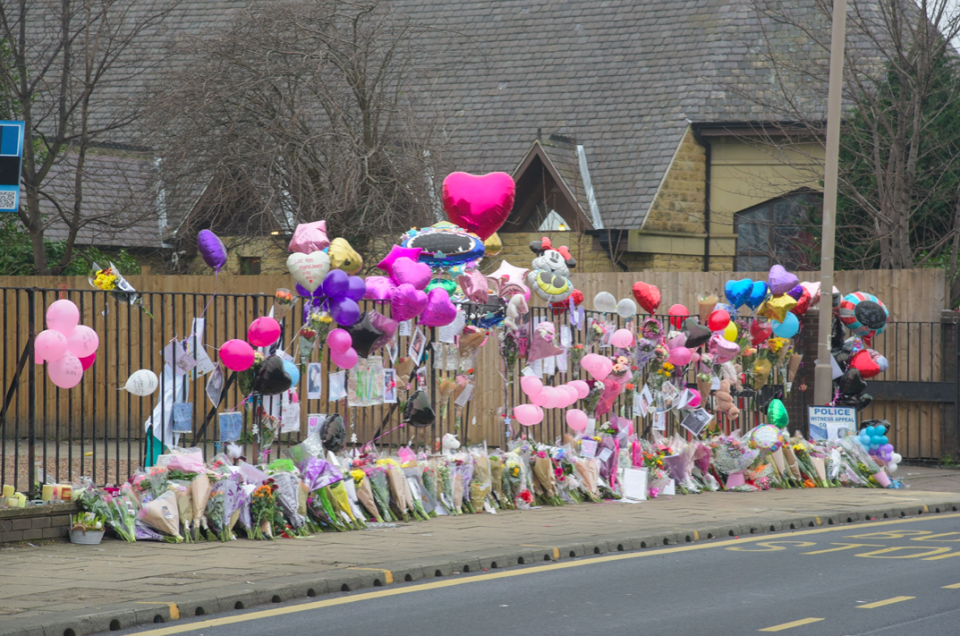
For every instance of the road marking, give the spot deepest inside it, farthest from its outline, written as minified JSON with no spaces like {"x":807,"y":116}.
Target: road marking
{"x":845,"y":546}
{"x":889,"y":601}
{"x":955,"y":586}
{"x":387,"y":574}
{"x":943,"y":556}
{"x":174,"y":609}
{"x":890,"y":534}
{"x":780,"y":628}
{"x":435,"y":585}
{"x":876,"y":554}
{"x":771,"y":546}
{"x":939,"y":537}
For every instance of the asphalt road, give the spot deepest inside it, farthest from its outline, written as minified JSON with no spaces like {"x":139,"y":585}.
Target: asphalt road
{"x":899,"y":577}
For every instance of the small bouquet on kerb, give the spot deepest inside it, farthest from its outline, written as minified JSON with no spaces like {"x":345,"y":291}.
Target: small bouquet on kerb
{"x":109,"y":279}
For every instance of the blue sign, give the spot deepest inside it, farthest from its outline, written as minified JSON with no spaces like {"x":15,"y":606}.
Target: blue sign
{"x":11,"y":155}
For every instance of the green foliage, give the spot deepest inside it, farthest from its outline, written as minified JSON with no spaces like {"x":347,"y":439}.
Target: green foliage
{"x":16,"y":257}
{"x":933,"y":198}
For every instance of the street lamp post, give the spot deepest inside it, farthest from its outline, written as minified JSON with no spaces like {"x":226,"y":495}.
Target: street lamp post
{"x":823,"y":375}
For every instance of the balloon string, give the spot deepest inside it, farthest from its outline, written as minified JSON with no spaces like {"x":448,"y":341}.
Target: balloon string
{"x":385,"y":433}
{"x":216,"y":273}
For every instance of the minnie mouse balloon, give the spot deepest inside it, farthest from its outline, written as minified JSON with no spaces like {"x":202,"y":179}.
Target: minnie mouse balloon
{"x":212,"y":249}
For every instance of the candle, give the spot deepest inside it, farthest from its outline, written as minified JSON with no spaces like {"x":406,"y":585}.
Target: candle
{"x":8,"y":491}
{"x":57,"y":488}
{"x":21,"y":500}
{"x":66,"y":492}
{"x":47,"y":492}
{"x":13,"y":502}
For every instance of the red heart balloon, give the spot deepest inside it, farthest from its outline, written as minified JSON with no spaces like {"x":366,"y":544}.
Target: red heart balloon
{"x":803,"y":304}
{"x":760,"y":332}
{"x":559,"y":308}
{"x":647,"y":295}
{"x":865,"y":364}
{"x":479,"y":204}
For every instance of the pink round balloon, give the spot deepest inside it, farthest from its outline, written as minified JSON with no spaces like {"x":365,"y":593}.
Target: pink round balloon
{"x":63,"y":316}
{"x":694,"y":357}
{"x":571,"y":391}
{"x":263,"y":332}
{"x":66,"y":372}
{"x":679,"y":357}
{"x":694,"y":401}
{"x":88,"y":361}
{"x":599,"y":367}
{"x":540,"y":399}
{"x":50,"y":345}
{"x":83,"y":341}
{"x":577,"y":419}
{"x":581,"y":387}
{"x":339,"y":341}
{"x":345,"y":360}
{"x":551,"y":397}
{"x":621,"y":338}
{"x":236,"y":355}
{"x":531,"y":385}
{"x":528,"y":414}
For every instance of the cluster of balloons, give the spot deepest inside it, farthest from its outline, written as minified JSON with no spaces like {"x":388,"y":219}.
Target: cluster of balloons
{"x":550,"y":397}
{"x":67,"y":347}
{"x":410,"y":290}
{"x":865,"y":316}
{"x":873,"y":437}
{"x":606,"y":302}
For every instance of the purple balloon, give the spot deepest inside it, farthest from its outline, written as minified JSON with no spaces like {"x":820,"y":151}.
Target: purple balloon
{"x":336,"y":284}
{"x":345,"y":311}
{"x":796,"y":293}
{"x":378,"y":287}
{"x":356,"y":288}
{"x":211,"y":249}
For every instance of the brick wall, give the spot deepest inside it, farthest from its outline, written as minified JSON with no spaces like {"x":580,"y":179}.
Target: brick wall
{"x":36,"y":522}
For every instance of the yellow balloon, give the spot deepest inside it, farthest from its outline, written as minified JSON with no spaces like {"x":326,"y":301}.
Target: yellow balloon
{"x":730,"y":332}
{"x":343,"y":256}
{"x":493,"y":245}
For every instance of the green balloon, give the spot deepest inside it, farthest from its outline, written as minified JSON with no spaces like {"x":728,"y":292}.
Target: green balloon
{"x":777,"y":414}
{"x":448,"y":286}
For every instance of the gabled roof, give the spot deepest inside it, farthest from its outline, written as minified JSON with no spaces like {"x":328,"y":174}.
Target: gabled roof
{"x":624,"y":78}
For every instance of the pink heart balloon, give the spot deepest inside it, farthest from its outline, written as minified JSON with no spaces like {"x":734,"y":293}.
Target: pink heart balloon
{"x":440,"y":311}
{"x":406,"y":302}
{"x":479,"y":204}
{"x":722,"y":349}
{"x":378,"y":288}
{"x":406,"y":271}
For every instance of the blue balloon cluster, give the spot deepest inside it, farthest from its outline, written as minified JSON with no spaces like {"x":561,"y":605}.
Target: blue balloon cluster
{"x":874,"y":439}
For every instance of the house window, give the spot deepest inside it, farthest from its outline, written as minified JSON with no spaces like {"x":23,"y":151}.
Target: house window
{"x":250,"y":265}
{"x":774,"y":232}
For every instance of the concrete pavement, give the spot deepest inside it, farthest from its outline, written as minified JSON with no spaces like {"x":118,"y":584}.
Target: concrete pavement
{"x":66,"y":589}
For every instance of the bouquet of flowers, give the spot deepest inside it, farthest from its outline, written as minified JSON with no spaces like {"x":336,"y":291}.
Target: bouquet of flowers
{"x":544,"y":480}
{"x":509,"y":350}
{"x":732,"y":455}
{"x":511,"y":483}
{"x":462,"y":476}
{"x":423,"y":504}
{"x":120,"y":514}
{"x":577,"y":352}
{"x":430,"y":486}
{"x":446,"y":478}
{"x":589,"y":473}
{"x":365,"y":494}
{"x":283,"y":301}
{"x":263,"y":507}
{"x":481,"y":480}
{"x":86,"y":521}
{"x":287,"y":498}
{"x":109,"y":279}
{"x":162,"y":515}
{"x":320,"y":507}
{"x":381,"y":490}
{"x":496,"y":478}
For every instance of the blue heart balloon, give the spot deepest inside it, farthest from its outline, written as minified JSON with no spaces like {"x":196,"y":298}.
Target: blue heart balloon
{"x":730,"y":309}
{"x":737,"y":291}
{"x":758,"y":294}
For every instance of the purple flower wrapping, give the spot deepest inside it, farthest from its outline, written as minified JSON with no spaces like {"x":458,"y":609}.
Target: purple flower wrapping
{"x":318,"y":473}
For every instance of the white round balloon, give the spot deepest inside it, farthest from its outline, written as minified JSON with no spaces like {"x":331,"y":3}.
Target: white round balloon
{"x":626,"y":308}
{"x":143,"y":383}
{"x":605,"y":302}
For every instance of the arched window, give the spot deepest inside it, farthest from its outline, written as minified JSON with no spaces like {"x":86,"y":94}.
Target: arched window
{"x":776,"y":231}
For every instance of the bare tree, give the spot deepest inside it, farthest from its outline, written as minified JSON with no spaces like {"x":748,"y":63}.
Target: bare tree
{"x":63,"y":71}
{"x":303,"y":111}
{"x":901,"y":133}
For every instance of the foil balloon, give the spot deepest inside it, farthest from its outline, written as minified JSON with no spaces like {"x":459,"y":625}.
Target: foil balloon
{"x":551,"y":287}
{"x":474,"y":286}
{"x":559,"y":307}
{"x":212,"y":249}
{"x":647,"y":295}
{"x":758,"y":294}
{"x":309,"y":270}
{"x":780,"y":280}
{"x":777,"y":414}
{"x":406,"y":302}
{"x":378,"y":288}
{"x":478,"y":204}
{"x":439,"y":311}
{"x":309,"y":238}
{"x":445,"y":245}
{"x":760,"y":332}
{"x":863,"y":314}
{"x":398,"y":252}
{"x":344,"y":257}
{"x":405,"y":271}
{"x":448,"y":286}
{"x":493,"y":245}
{"x":273,"y":378}
{"x":722,"y":349}
{"x":696,"y":333}
{"x":333,"y":434}
{"x":777,"y":307}
{"x":363,"y":334}
{"x":418,"y":411}
{"x":738,"y":291}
